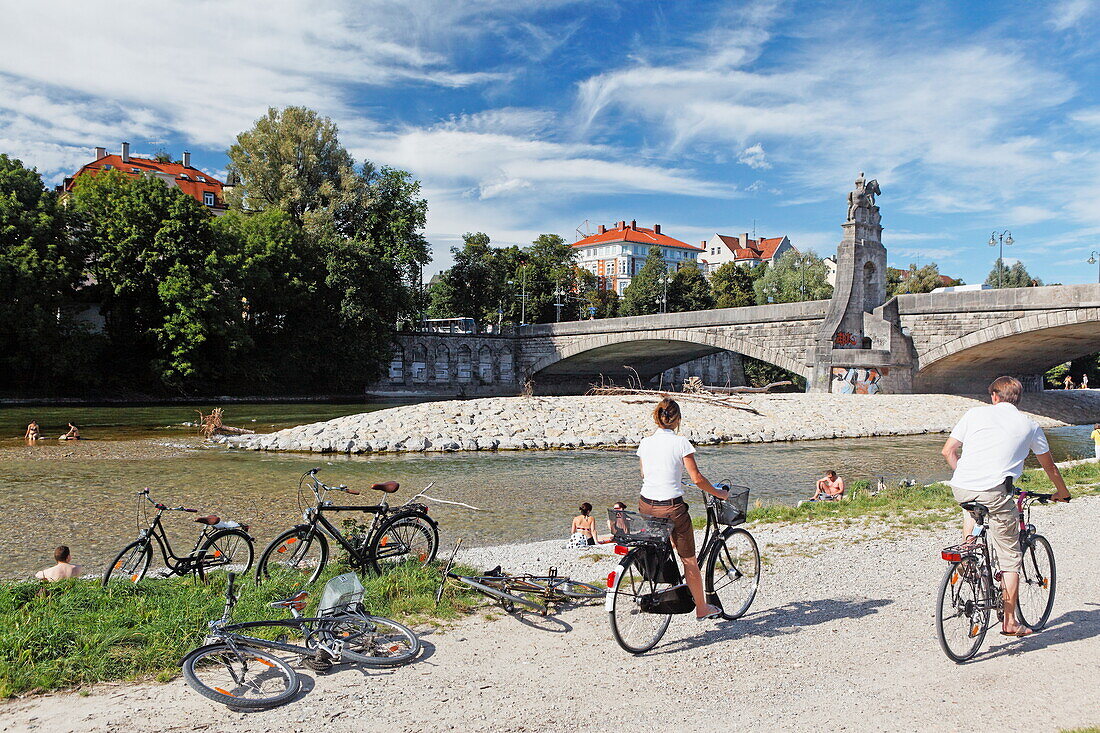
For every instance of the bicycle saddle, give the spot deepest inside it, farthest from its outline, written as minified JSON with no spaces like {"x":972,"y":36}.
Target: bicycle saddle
{"x":387,"y":486}
{"x":211,"y":519}
{"x":973,"y":506}
{"x":297,"y":602}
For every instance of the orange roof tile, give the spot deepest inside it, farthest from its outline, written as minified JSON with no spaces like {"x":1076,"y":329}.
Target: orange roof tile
{"x":631,"y":232}
{"x":190,"y":185}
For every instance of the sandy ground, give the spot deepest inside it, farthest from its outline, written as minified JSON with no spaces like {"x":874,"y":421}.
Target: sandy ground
{"x":841,"y":637}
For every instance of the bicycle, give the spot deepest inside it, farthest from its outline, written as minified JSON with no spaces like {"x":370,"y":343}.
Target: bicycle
{"x":971,"y":590}
{"x":221,"y":544}
{"x":398,"y":535}
{"x":536,"y":592}
{"x":236,"y":669}
{"x":646,"y":589}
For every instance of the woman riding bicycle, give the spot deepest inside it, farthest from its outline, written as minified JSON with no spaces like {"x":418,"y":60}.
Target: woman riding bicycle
{"x":664,"y":456}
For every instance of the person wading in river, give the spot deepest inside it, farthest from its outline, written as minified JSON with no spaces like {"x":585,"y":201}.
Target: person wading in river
{"x":995,"y":439}
{"x":664,"y":456}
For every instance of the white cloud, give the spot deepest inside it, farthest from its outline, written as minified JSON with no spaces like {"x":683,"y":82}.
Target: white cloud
{"x":754,"y":157}
{"x":1068,"y":13}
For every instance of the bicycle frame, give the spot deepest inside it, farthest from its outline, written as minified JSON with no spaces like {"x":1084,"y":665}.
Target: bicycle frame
{"x":176,"y":564}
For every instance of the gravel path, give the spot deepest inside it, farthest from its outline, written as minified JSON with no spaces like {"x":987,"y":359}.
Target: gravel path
{"x":539,"y":423}
{"x":841,"y":637}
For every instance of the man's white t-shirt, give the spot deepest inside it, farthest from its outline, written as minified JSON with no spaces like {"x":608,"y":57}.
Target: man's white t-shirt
{"x":995,"y":441}
{"x":662,"y":457}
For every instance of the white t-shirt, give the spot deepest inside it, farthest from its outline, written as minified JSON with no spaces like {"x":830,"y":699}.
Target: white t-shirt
{"x":662,"y":457}
{"x":995,"y":441}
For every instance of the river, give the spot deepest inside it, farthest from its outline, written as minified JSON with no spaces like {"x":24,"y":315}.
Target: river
{"x":80,"y":493}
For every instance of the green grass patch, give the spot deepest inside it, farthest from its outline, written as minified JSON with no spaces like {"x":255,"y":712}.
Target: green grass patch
{"x":76,"y":632}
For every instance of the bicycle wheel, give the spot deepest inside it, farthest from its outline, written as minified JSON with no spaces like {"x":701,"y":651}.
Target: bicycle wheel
{"x":637,"y":578}
{"x":1038,"y":581}
{"x":130,"y":565}
{"x":962,"y":609}
{"x":733,"y":573}
{"x":375,"y":641}
{"x":227,"y":549}
{"x":404,"y":538}
{"x":576,"y":591}
{"x":301,"y":551}
{"x":249,"y":681}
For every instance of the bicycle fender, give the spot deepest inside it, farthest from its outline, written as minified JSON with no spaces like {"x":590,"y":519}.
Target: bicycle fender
{"x":202,"y":649}
{"x":609,"y":596}
{"x":415,"y":513}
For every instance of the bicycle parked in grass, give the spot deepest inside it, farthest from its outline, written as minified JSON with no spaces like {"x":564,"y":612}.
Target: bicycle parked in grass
{"x":970,"y":592}
{"x":237,"y":669}
{"x":222,"y":544}
{"x":646,"y":589}
{"x":402,"y":534}
{"x":536,"y":592}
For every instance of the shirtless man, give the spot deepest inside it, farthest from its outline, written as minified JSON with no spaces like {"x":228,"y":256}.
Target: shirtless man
{"x":63,"y":569}
{"x":829,"y":488}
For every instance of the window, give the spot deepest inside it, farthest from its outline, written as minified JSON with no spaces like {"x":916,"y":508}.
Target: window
{"x":108,"y":167}
{"x":622,"y":266}
{"x":201,"y":179}
{"x":208,"y":198}
{"x":135,"y":170}
{"x":185,"y":177}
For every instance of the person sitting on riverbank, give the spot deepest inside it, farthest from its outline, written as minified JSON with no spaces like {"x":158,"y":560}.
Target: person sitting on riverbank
{"x":621,"y":521}
{"x":830,"y":487}
{"x":33,"y":432}
{"x":63,"y":569}
{"x":583,"y":531}
{"x":73,"y":434}
{"x":1096,"y":439}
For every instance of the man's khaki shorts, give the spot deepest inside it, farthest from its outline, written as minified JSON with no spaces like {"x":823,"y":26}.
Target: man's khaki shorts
{"x":683,"y":534}
{"x":1004,"y":523}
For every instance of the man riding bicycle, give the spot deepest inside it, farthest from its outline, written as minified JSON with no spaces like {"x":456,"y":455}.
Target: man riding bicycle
{"x":995,"y":440}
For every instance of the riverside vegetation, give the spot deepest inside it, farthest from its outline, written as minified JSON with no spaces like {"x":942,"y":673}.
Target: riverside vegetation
{"x":74,"y":633}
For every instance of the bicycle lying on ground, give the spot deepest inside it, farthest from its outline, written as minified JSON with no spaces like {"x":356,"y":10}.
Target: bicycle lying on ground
{"x":237,"y":669}
{"x":647,"y":587}
{"x":536,"y":592}
{"x":222,"y":544}
{"x":402,"y":534}
{"x":970,"y":591}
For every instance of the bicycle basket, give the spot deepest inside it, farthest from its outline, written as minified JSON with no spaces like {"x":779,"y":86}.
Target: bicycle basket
{"x":341,"y":593}
{"x":732,"y":511}
{"x":632,"y":528}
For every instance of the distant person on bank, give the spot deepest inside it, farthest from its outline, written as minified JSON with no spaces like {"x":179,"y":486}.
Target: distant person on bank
{"x":995,"y":439}
{"x":63,"y":569}
{"x":584,"y":526}
{"x":1084,"y":381}
{"x":33,"y":432}
{"x":830,"y":487}
{"x":1067,"y":383}
{"x":1096,"y":439}
{"x":664,"y":456}
{"x":73,"y":434}
{"x":620,"y":520}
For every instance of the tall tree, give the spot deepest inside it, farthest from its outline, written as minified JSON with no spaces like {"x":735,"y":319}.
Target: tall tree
{"x":732,"y":286}
{"x":648,"y":288}
{"x":795,"y":276}
{"x":689,"y":290}
{"x":40,"y":269}
{"x":915,"y":280}
{"x":547,"y":271}
{"x":474,"y":285}
{"x":1016,"y":276}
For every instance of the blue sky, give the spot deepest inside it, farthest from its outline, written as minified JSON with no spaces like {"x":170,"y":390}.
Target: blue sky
{"x":522,"y":117}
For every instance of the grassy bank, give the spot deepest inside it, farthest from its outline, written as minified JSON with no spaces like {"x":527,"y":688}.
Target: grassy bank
{"x":75,"y":632}
{"x":896,"y":501}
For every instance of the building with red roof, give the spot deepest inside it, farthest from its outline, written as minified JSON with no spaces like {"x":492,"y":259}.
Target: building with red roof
{"x":615,"y":255}
{"x":723,"y":248}
{"x":201,"y":186}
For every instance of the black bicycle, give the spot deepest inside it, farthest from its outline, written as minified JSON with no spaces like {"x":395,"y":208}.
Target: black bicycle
{"x":235,"y":668}
{"x":222,"y":544}
{"x":647,"y":587}
{"x":402,"y":534}
{"x":970,"y":592}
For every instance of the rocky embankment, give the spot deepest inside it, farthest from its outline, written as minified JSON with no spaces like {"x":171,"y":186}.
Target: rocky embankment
{"x":539,"y":423}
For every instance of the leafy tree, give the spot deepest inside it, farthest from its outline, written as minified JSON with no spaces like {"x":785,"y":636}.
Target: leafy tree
{"x":1016,"y":276}
{"x":732,"y":286}
{"x":605,"y":301}
{"x":548,"y":264}
{"x":163,"y":278}
{"x":40,"y":270}
{"x":794,"y":277}
{"x":915,"y":280}
{"x":689,"y":290}
{"x":292,"y":160}
{"x":474,"y":285}
{"x":647,"y":289}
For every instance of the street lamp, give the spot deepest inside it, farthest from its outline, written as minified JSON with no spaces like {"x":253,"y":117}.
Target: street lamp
{"x":664,"y":290}
{"x":558,"y":293}
{"x":1093,"y":260}
{"x":1002,"y":239}
{"x":800,"y":263}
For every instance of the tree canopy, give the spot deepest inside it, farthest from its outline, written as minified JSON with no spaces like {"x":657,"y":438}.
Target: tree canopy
{"x":731,"y":285}
{"x":795,"y":276}
{"x":916,"y":279}
{"x":648,"y":288}
{"x":1016,"y":276}
{"x":689,"y":290}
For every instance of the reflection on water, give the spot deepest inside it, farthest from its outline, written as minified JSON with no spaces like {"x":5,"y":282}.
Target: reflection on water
{"x":89,"y":504}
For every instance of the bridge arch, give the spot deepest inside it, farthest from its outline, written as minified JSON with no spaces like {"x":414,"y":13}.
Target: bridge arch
{"x":649,"y":353}
{"x":1026,"y":346}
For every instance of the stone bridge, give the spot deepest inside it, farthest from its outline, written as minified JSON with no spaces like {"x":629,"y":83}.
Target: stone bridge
{"x":857,"y":342}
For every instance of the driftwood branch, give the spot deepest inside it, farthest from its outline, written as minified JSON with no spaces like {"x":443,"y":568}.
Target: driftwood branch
{"x":211,"y":425}
{"x":693,"y":392}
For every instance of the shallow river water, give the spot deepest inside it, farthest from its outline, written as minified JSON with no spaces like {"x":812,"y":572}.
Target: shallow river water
{"x":80,"y":493}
